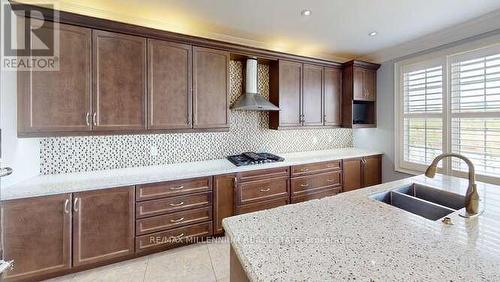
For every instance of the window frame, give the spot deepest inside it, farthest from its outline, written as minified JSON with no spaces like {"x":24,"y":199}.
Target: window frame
{"x":443,"y":57}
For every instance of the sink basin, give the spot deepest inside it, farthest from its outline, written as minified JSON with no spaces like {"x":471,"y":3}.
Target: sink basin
{"x":422,"y":200}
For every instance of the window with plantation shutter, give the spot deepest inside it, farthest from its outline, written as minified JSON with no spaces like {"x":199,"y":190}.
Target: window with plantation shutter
{"x":450,"y":102}
{"x":422,"y":113}
{"x":475,"y":109}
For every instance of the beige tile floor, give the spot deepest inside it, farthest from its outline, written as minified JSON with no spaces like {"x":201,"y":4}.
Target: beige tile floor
{"x":200,"y":262}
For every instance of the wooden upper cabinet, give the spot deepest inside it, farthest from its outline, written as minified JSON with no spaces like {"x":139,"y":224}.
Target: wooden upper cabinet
{"x":60,"y":100}
{"x":37,"y":235}
{"x":285,"y":91}
{"x":372,"y":170}
{"x":364,"y":84}
{"x":169,"y":85}
{"x":223,"y":200}
{"x":332,"y":97}
{"x":210,"y":88}
{"x":369,"y":84}
{"x":103,"y":225}
{"x":119,"y":81}
{"x":352,"y":174}
{"x":312,"y":113}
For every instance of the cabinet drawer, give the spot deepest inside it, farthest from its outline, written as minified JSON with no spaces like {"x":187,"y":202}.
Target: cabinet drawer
{"x":172,"y":188}
{"x":173,"y":237}
{"x":173,"y":204}
{"x":255,"y":175}
{"x":313,"y":182}
{"x":262,"y":190}
{"x":172,"y":220}
{"x":316,"y":195}
{"x":261,"y":206}
{"x":304,"y":169}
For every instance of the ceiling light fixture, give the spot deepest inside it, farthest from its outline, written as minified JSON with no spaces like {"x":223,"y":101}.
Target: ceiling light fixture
{"x":306,"y":12}
{"x":373,"y":33}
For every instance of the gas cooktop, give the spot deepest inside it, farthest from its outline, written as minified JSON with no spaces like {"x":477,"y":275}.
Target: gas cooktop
{"x":250,"y":158}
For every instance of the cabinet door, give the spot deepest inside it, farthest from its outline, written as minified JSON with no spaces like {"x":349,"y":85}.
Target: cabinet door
{"x":369,"y":85}
{"x":56,"y":101}
{"x":332,"y":96}
{"x":169,"y":85}
{"x":290,"y":80}
{"x":372,"y":171}
{"x":358,"y":85}
{"x":352,"y":174}
{"x":119,"y":81}
{"x":36,"y":235}
{"x":312,"y":111}
{"x":223,"y":200}
{"x":103,"y":225}
{"x":210,"y":88}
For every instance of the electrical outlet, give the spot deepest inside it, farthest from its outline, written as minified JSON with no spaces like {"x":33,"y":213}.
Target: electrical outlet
{"x":153,"y":151}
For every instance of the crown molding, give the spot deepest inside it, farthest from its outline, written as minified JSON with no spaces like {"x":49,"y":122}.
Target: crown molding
{"x":480,"y":25}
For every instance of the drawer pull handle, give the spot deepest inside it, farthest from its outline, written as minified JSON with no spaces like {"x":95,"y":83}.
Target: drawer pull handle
{"x":331,"y":165}
{"x":330,"y":180}
{"x":177,"y":205}
{"x":66,"y":206}
{"x":266,"y":189}
{"x":178,"y":236}
{"x":177,"y":187}
{"x":304,"y":185}
{"x":177,"y":220}
{"x":304,"y":169}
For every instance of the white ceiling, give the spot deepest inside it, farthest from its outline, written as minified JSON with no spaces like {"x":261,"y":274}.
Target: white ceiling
{"x":335,"y":28}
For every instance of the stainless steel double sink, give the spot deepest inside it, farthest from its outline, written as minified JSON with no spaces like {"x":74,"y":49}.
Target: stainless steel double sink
{"x":422,"y":200}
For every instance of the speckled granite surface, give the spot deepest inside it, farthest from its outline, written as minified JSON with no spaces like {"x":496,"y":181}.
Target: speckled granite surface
{"x":84,"y":181}
{"x":352,"y":237}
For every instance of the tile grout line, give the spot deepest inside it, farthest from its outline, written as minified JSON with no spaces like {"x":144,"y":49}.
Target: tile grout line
{"x":146,"y":269}
{"x":212,"y":263}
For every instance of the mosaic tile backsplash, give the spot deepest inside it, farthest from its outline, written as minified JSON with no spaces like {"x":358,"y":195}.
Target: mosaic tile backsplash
{"x":248,"y":132}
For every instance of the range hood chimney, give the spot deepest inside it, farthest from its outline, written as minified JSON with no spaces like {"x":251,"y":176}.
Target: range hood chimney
{"x":251,"y":100}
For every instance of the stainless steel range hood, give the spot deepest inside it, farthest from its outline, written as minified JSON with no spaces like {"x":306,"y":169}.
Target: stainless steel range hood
{"x":251,"y":100}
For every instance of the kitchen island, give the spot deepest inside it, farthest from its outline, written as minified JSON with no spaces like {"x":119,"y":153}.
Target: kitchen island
{"x":353,"y":237}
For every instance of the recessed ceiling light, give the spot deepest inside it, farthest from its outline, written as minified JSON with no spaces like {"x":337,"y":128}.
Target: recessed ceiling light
{"x":373,"y":33}
{"x":306,"y":12}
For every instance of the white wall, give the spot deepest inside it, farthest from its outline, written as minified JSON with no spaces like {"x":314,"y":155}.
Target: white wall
{"x":23,"y":155}
{"x":382,"y":137}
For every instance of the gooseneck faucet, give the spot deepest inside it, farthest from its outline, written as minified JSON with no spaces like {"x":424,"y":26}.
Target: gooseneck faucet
{"x":471,"y":196}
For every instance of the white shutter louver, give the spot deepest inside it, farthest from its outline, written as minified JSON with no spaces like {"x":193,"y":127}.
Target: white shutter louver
{"x":422,"y":114}
{"x":475,"y":110}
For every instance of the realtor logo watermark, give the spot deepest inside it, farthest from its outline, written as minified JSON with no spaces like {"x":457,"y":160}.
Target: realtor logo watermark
{"x":29,"y":41}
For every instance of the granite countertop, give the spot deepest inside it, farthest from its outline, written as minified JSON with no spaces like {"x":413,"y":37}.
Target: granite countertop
{"x":352,"y":237}
{"x":43,"y":185}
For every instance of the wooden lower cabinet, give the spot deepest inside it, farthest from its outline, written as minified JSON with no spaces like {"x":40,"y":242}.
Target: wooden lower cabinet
{"x":372,"y":170}
{"x":362,"y":172}
{"x":173,"y":237}
{"x":264,"y":205}
{"x":223,"y":200}
{"x":103,"y":225}
{"x":316,"y":195}
{"x":37,"y":236}
{"x":352,"y":174}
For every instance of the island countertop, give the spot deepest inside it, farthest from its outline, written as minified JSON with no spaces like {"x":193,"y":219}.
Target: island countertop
{"x":353,"y":237}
